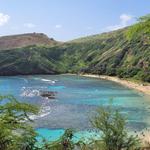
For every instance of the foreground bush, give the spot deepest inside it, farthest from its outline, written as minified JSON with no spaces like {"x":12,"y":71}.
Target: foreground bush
{"x":15,"y":131}
{"x":113,"y":128}
{"x":111,"y":125}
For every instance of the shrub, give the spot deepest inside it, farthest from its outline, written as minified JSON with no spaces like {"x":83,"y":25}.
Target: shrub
{"x":112,"y":125}
{"x":15,"y":132}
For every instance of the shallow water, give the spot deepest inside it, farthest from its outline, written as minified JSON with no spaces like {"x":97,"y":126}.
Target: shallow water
{"x":76,"y":99}
{"x":53,"y":135}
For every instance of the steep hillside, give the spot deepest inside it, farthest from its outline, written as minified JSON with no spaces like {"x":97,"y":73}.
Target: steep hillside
{"x":17,"y":41}
{"x":124,"y":53}
{"x":29,"y":60}
{"x":111,"y":54}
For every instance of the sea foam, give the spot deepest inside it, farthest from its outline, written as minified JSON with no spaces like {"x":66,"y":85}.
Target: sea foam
{"x":44,"y":111}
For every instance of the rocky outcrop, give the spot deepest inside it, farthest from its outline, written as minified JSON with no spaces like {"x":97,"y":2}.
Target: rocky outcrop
{"x":23,"y":40}
{"x":48,"y":94}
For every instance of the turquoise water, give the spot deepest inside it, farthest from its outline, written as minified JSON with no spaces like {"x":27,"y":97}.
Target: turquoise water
{"x":76,"y":100}
{"x":53,"y":135}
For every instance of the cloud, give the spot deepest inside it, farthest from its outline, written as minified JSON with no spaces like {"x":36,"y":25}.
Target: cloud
{"x":58,"y":26}
{"x":29,"y":25}
{"x":124,"y":21}
{"x":4,"y":19}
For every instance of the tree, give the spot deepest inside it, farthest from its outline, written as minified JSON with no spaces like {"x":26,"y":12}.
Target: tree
{"x":112,"y":126}
{"x":15,"y":131}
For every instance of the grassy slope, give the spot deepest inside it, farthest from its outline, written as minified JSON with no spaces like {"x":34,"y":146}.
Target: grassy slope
{"x":125,"y":53}
{"x":110,"y":54}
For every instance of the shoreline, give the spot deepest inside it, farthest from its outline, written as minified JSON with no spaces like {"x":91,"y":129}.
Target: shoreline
{"x":130,"y":84}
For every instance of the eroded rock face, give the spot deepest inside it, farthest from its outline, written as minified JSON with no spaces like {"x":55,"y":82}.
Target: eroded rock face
{"x":23,"y":40}
{"x":48,"y":94}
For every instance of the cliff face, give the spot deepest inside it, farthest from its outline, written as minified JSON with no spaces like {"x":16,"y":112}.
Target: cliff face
{"x":124,"y":53}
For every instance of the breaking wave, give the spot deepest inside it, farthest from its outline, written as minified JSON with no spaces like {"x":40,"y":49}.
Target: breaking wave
{"x":50,"y":81}
{"x":45,"y":110}
{"x":46,"y":80}
{"x":28,"y":92}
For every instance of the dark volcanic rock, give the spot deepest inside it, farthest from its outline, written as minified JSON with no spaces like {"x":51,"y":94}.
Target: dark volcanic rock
{"x":48,"y":94}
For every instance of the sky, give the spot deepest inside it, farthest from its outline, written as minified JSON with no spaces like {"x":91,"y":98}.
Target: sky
{"x":65,"y":20}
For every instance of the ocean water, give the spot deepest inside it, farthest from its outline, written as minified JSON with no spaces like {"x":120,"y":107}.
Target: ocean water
{"x":53,"y":135}
{"x":76,"y":100}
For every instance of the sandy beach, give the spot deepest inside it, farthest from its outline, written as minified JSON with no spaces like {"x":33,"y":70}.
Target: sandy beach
{"x":140,"y":87}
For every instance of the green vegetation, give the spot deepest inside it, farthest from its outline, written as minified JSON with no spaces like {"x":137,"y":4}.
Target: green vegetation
{"x":107,"y":122}
{"x":15,"y":131}
{"x":114,"y":135}
{"x":124,"y":53}
{"x":141,"y":28}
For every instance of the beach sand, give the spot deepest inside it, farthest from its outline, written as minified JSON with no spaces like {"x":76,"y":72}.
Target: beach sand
{"x":130,"y":84}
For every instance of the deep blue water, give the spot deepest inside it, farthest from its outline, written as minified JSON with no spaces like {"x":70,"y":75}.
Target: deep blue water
{"x":76,"y":100}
